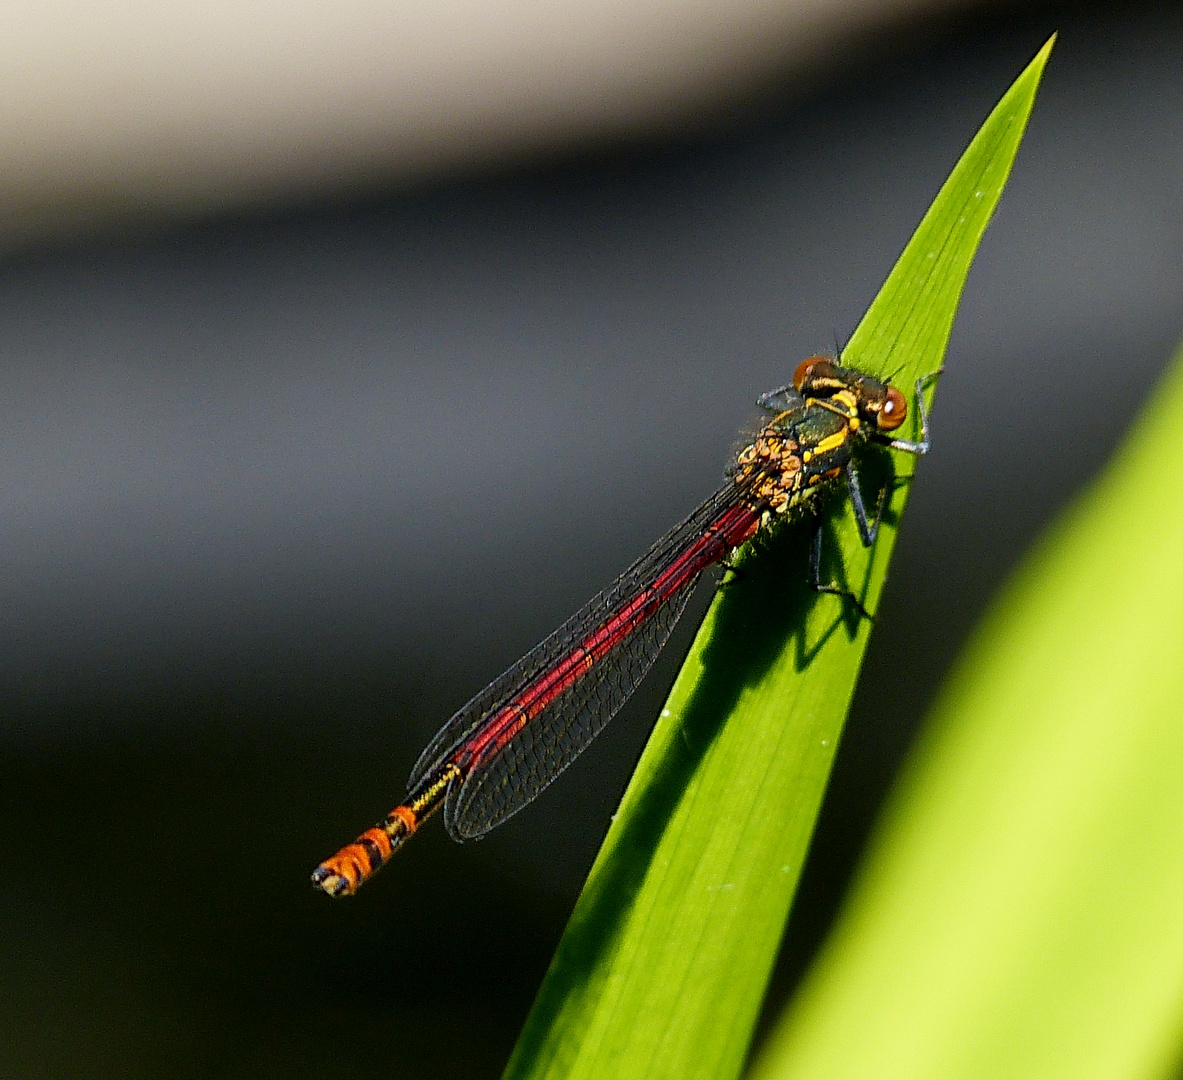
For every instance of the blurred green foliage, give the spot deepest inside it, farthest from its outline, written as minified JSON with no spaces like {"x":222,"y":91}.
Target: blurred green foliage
{"x":1020,"y":913}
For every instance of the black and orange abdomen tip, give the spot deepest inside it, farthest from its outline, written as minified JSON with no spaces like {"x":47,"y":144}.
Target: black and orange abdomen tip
{"x":356,"y":863}
{"x":341,"y":875}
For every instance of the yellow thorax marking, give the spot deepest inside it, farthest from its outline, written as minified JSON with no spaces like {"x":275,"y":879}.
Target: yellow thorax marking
{"x":831,"y":442}
{"x":843,"y":404}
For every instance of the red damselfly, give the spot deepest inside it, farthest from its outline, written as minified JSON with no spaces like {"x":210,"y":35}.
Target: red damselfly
{"x":517,"y":735}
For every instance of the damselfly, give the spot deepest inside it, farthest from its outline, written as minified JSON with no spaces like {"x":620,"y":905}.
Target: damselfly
{"x":505,"y":746}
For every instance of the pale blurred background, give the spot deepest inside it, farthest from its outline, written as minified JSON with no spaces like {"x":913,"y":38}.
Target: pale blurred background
{"x":125,"y":111}
{"x":345,"y":350}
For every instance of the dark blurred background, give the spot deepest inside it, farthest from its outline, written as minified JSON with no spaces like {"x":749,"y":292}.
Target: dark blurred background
{"x":283,"y":485}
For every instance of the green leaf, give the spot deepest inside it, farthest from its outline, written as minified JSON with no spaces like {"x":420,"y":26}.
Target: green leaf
{"x":664,"y":963}
{"x":1020,"y":913}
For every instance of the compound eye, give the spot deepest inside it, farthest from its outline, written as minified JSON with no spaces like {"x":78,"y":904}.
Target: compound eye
{"x":893,"y":411}
{"x":805,"y":369}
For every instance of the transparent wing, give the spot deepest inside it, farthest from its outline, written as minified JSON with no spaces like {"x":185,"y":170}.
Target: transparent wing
{"x":551,"y":740}
{"x":501,"y":786}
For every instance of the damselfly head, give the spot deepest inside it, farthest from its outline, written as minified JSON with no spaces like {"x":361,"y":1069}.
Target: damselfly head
{"x":878,"y":402}
{"x":892,"y":410}
{"x":820,"y":375}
